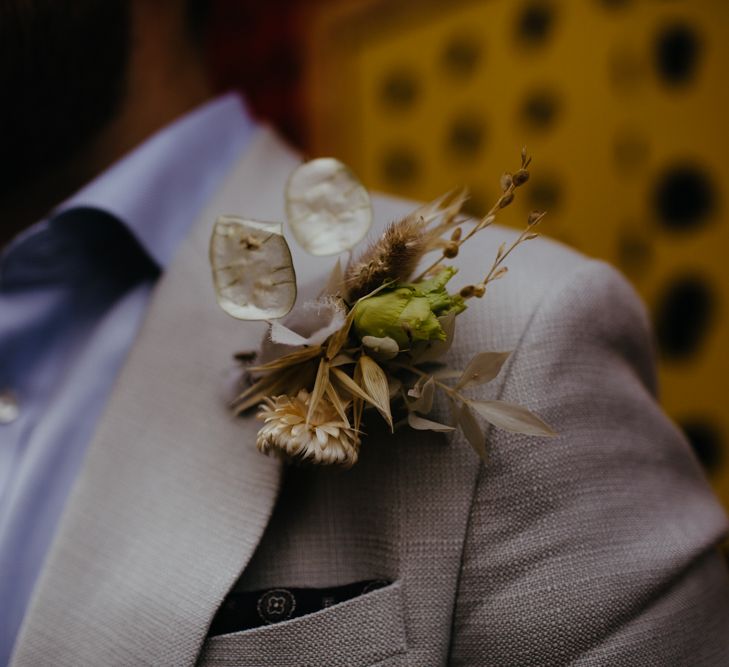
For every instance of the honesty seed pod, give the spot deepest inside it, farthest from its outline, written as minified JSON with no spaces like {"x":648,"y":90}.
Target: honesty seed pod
{"x":252,"y":269}
{"x":328,"y":209}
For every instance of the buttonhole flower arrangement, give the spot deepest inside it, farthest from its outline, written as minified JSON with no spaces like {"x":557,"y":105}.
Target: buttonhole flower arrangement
{"x":375,"y":337}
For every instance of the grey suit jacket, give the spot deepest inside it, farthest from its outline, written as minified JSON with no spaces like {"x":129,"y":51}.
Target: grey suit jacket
{"x":594,"y":548}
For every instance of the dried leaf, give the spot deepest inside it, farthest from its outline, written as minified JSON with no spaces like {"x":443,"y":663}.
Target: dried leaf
{"x":328,"y":209}
{"x":394,"y":386}
{"x":422,"y":424}
{"x":472,"y":430}
{"x":446,"y":207}
{"x":502,"y":271}
{"x":435,"y":349}
{"x":483,"y":368}
{"x":351,"y":385}
{"x":339,"y":338}
{"x":424,"y":399}
{"x":357,"y":403}
{"x":511,"y":417}
{"x":297,"y":357}
{"x":342,"y":359}
{"x":260,"y":386}
{"x":455,"y":407}
{"x":320,"y":385}
{"x":310,"y":324}
{"x":375,"y":381}
{"x":267,"y":386}
{"x":447,"y":374}
{"x":253,"y":395}
{"x":336,"y":401}
{"x":416,"y":389}
{"x":252,"y":268}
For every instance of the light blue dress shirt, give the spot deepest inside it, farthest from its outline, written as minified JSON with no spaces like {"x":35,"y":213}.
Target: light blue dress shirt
{"x":71,"y":300}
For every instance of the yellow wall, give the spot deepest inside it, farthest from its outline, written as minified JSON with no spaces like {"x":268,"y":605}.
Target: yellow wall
{"x":623,"y":105}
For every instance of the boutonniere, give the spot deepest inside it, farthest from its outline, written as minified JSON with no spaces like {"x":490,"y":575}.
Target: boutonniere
{"x":375,"y":337}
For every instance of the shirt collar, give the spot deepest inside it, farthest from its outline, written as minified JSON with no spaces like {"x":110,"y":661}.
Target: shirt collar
{"x":158,"y":189}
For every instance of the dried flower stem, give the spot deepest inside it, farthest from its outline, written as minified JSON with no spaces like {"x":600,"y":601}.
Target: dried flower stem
{"x":486,"y":221}
{"x":509,"y":185}
{"x":453,"y":393}
{"x":495,"y":273}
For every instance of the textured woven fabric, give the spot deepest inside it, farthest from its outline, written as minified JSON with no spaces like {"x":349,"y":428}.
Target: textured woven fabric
{"x":593,"y":548}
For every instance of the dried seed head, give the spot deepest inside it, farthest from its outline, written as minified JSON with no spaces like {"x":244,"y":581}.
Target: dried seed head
{"x":506,"y":181}
{"x":521,"y":177}
{"x":451,"y":250}
{"x":456,"y":235}
{"x":393,"y":257}
{"x":535,"y":217}
{"x":525,"y":159}
{"x":502,"y":271}
{"x":506,"y":199}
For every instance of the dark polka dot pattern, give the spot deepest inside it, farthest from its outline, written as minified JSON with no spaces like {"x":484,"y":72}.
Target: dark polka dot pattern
{"x":677,"y":54}
{"x":461,"y":56}
{"x":684,"y":197}
{"x":540,"y":109}
{"x":706,"y":441}
{"x":620,"y":102}
{"x":544,"y":192}
{"x":683,"y":315}
{"x":399,"y":90}
{"x":466,"y":137}
{"x":400,"y":167}
{"x":535,"y":23}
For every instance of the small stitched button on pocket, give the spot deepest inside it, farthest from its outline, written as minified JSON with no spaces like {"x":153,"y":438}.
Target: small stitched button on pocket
{"x":276,"y":605}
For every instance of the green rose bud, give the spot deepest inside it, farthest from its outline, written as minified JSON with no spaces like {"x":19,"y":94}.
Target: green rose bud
{"x":434,"y":290}
{"x":398,"y":314}
{"x":408,"y":313}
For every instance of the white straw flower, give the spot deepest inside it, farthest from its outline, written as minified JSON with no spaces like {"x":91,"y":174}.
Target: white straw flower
{"x":324,"y":439}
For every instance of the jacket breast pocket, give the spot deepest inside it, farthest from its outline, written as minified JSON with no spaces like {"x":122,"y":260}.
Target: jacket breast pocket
{"x":361,"y":632}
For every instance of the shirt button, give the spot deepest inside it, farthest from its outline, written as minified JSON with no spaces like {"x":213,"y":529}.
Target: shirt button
{"x":9,"y":408}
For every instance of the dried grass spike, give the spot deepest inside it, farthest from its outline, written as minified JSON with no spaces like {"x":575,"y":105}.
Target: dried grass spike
{"x":392,"y":257}
{"x":447,"y":208}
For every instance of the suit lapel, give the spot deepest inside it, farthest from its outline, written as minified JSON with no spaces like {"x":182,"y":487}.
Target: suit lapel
{"x":173,"y":498}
